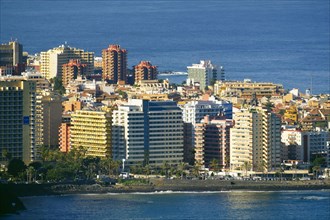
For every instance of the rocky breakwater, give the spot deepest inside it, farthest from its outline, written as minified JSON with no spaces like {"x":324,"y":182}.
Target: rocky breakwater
{"x":222,"y":185}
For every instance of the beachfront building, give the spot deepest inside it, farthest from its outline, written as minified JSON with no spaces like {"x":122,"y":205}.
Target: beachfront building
{"x":52,"y":61}
{"x":148,"y":132}
{"x":91,"y":130}
{"x":20,"y":131}
{"x":204,"y":73}
{"x":193,"y":113}
{"x":212,"y":138}
{"x":255,"y":140}
{"x":11,"y":59}
{"x":144,"y":71}
{"x":114,"y":64}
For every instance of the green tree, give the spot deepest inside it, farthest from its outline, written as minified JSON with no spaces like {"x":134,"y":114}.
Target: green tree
{"x":195,"y":169}
{"x":319,"y":161}
{"x":165,"y":169}
{"x":123,"y":94}
{"x":15,"y":167}
{"x":58,"y":85}
{"x":269,"y":105}
{"x":6,"y":154}
{"x":90,"y":166}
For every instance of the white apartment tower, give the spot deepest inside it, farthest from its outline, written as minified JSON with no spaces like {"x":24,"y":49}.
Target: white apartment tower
{"x":148,"y":132}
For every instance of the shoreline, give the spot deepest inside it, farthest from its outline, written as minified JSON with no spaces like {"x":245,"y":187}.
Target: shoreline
{"x":162,"y":185}
{"x":10,"y":194}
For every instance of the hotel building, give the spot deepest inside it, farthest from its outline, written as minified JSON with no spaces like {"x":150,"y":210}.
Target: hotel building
{"x":149,"y":132}
{"x":91,"y":130}
{"x":20,"y":132}
{"x":255,"y":140}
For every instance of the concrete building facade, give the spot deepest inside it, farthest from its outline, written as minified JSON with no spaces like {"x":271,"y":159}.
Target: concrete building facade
{"x":148,"y":132}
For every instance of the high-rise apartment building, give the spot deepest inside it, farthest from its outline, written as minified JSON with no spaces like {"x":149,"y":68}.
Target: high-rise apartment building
{"x":144,"y":71}
{"x":272,"y":147}
{"x":11,"y":58}
{"x":20,"y":132}
{"x":212,"y":139}
{"x":114,"y":64}
{"x":255,"y":140}
{"x":71,"y":70}
{"x":52,"y":60}
{"x":91,"y":130}
{"x":52,"y":117}
{"x":193,"y":113}
{"x":149,"y":132}
{"x":203,"y":73}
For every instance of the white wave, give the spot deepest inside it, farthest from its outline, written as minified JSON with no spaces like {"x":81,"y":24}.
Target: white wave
{"x":314,"y":198}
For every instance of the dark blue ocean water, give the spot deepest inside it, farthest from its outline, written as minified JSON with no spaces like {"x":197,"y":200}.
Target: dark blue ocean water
{"x":216,"y":205}
{"x":285,"y":41}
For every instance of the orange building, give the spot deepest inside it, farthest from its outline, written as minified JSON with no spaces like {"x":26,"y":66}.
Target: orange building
{"x":71,"y":106}
{"x":114,"y":64}
{"x":71,"y":70}
{"x":64,"y":137}
{"x":144,"y":71}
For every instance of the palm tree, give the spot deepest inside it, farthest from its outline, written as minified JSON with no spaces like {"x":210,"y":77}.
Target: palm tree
{"x":196,"y":169}
{"x":165,"y":168}
{"x":214,"y":165}
{"x":181,"y":168}
{"x":246,"y":166}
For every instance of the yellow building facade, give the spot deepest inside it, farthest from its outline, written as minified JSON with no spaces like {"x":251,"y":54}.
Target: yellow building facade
{"x":91,"y":130}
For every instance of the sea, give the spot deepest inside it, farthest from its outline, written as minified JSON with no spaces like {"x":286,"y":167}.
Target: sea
{"x":282,"y":41}
{"x":179,"y":205}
